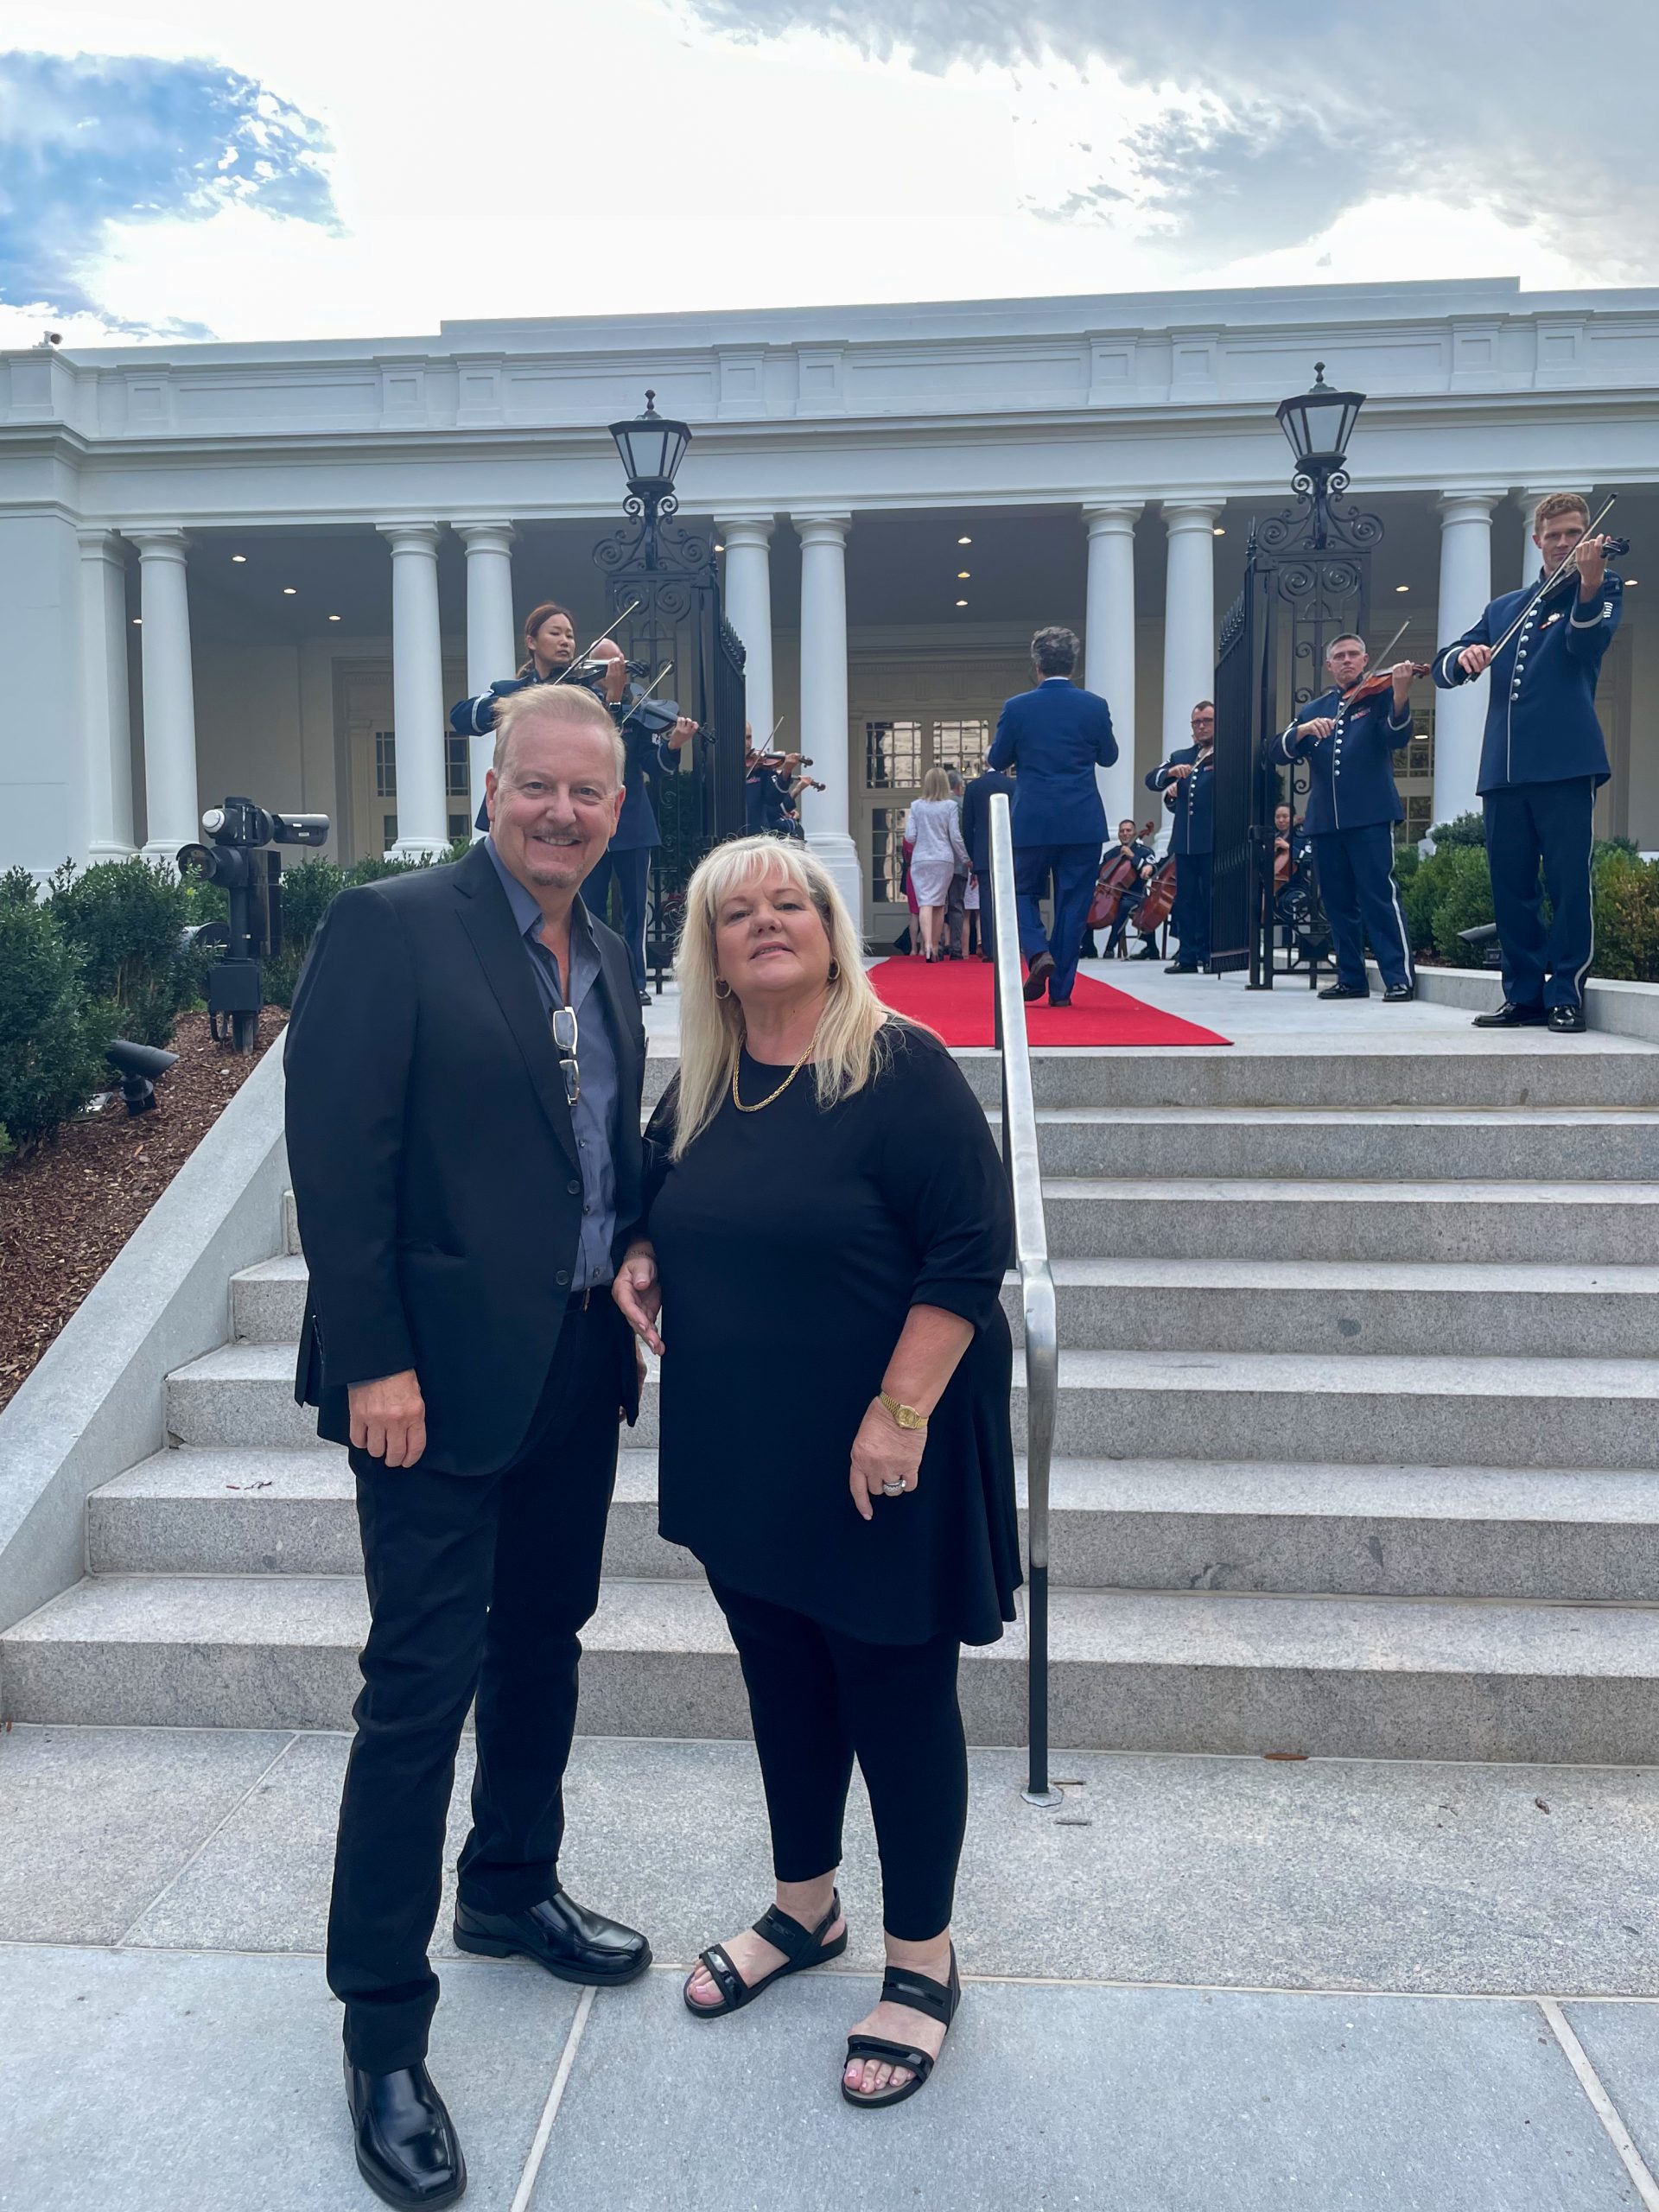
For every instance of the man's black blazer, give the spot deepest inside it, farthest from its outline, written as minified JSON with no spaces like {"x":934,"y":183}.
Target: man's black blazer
{"x":433,"y":1160}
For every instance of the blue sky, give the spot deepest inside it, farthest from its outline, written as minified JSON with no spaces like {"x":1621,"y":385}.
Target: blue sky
{"x":176,"y":167}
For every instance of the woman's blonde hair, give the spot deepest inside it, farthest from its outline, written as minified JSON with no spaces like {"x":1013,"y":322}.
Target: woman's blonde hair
{"x":935,"y":783}
{"x":847,"y":1050}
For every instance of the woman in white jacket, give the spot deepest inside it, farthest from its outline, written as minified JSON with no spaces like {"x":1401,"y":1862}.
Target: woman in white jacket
{"x":933,"y":826}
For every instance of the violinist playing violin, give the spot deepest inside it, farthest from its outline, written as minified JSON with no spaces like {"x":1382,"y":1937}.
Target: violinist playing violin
{"x":1349,"y":736}
{"x":1543,"y":760}
{"x":1187,"y":781}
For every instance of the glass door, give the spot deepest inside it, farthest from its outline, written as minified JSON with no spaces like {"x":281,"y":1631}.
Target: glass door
{"x":898,"y":753}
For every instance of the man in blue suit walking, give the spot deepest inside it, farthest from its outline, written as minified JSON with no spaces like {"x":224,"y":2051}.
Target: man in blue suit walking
{"x":1054,"y":737}
{"x":1541,"y":762}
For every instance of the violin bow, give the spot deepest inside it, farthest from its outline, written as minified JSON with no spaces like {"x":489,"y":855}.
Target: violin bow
{"x":1548,"y":583}
{"x":634,"y":705}
{"x":576,"y":659}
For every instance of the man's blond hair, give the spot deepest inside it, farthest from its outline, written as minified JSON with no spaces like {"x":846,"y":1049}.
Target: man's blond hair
{"x":1557,"y":503}
{"x":557,"y":702}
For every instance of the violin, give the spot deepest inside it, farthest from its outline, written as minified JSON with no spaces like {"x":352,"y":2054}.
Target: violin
{"x":1377,"y":681}
{"x":1117,"y":876}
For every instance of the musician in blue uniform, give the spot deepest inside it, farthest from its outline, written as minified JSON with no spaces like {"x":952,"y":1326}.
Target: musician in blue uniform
{"x":1054,"y":736}
{"x":1543,"y":760}
{"x":1187,"y":781}
{"x":1144,"y":859}
{"x":1352,"y":806}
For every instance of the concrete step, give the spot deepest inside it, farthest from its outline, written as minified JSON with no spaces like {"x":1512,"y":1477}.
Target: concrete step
{"x":1355,"y":1305}
{"x":1194,"y":1219}
{"x":1479,"y":1072}
{"x":1562,"y":1144}
{"x":1197,"y":1672}
{"x":1154,"y":1524}
{"x":1299,"y":1408}
{"x":1296,"y":1406}
{"x":228,"y":1511}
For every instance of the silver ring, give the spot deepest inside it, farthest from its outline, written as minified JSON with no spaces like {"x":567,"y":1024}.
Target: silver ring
{"x":892,"y":1489}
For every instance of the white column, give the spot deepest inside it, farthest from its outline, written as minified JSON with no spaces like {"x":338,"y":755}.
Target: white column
{"x":491,"y":633}
{"x":748,"y":609}
{"x":824,"y":733}
{"x":1109,"y":642}
{"x":1189,"y":617}
{"x":418,"y":713}
{"x":172,"y":805}
{"x":106,"y":707}
{"x":1466,"y":587}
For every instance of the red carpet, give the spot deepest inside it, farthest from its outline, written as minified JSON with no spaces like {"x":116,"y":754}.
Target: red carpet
{"x":953,"y":997}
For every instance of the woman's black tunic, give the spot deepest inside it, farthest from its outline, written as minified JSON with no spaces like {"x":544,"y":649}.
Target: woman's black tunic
{"x":792,"y":1243}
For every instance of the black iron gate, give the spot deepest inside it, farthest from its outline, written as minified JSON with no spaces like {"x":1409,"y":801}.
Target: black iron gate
{"x":662,"y":609}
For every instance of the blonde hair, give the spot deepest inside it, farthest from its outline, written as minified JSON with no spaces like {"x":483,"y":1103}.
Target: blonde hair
{"x":935,"y":783}
{"x":1559,"y":503}
{"x":848,"y":1048}
{"x":559,"y":702}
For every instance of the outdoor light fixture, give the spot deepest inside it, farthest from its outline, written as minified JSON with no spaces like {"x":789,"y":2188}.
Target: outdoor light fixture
{"x":1318,"y":424}
{"x":651,"y":446}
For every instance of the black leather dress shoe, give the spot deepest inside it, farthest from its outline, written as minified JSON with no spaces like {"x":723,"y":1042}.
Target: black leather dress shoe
{"x":1060,"y":1002}
{"x":560,"y":1935}
{"x":1343,"y":991}
{"x":406,"y":2146}
{"x":1400,"y":995}
{"x":1567,"y":1020}
{"x":1037,"y":977}
{"x":1182,"y":968}
{"x":1511,"y":1017}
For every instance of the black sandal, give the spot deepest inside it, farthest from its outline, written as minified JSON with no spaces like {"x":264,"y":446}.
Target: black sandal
{"x":802,"y":1947}
{"x":937,"y":1999}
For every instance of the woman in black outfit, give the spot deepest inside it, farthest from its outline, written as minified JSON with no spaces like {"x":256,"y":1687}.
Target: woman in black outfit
{"x":821,"y":1166}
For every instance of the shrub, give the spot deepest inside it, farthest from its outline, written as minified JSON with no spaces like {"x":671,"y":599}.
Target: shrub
{"x":1464,"y":902}
{"x":52,"y":1033}
{"x":1627,"y":918}
{"x":124,"y":918}
{"x":1463,"y":830}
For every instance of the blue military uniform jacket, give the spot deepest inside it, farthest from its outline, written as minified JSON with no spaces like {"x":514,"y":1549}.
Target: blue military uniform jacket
{"x":1191,"y":801}
{"x":1056,"y":736}
{"x":1541,"y":714}
{"x":976,"y":816}
{"x":637,"y":825}
{"x":1351,"y":783}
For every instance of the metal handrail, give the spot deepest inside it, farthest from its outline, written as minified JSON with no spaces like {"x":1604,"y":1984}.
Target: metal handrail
{"x":1036,"y":1285}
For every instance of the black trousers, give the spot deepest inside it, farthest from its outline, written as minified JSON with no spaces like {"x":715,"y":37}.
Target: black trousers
{"x":819,"y":1698}
{"x":477,"y":1585}
{"x":1550,"y":826}
{"x":631,"y":873}
{"x":955,"y":914}
{"x":1189,"y":915}
{"x":1362,"y":900}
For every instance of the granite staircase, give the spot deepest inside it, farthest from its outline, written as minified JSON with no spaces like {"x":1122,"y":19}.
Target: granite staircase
{"x":1356,"y":1452}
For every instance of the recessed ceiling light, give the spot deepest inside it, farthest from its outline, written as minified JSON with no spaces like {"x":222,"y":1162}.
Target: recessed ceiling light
{"x":1629,"y":580}
{"x":239,"y":556}
{"x":1403,"y":586}
{"x":1218,"y":531}
{"x":962,"y":602}
{"x":719,"y":547}
{"x":290,"y":590}
{"x":137,"y":621}
{"x":333,"y":617}
{"x":965,"y":541}
{"x":962,"y":575}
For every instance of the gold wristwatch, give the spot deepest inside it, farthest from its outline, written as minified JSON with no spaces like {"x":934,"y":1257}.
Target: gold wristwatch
{"x":907,"y":1416}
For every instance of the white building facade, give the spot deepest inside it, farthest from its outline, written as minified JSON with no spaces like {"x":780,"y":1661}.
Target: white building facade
{"x":271,"y":569}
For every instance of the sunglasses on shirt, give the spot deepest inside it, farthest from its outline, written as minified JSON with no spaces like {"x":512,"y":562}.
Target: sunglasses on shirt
{"x":564,"y":1042}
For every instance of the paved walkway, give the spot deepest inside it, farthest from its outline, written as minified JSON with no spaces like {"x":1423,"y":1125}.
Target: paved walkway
{"x":1201,"y":1983}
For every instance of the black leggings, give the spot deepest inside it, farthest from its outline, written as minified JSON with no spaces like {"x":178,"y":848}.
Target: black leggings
{"x":818,"y":1697}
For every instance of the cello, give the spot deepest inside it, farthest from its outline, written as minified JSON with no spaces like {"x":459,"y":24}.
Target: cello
{"x":1154,"y":909}
{"x":1117,"y":874}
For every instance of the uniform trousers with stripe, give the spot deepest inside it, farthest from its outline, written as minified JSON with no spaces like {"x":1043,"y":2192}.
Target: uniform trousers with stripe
{"x":1547,"y":827}
{"x":1356,"y":872}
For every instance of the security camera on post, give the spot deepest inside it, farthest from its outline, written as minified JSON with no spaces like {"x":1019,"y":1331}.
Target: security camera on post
{"x":237,"y":832}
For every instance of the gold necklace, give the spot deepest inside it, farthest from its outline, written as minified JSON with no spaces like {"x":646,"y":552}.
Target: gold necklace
{"x":782,"y":1087}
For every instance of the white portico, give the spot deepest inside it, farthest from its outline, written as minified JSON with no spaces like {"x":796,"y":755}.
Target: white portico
{"x":271,"y":569}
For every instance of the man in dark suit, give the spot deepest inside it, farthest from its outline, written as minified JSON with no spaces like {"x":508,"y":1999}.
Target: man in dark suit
{"x":1056,"y":736}
{"x":1542,"y":761}
{"x":464,"y":1070}
{"x":976,"y":835}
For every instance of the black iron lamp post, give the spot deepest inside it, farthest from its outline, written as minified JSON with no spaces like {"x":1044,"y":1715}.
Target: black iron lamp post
{"x":1318,"y":424}
{"x":652,"y":447}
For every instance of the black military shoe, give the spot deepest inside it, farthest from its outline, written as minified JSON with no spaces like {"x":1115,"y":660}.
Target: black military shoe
{"x":1567,"y":1020}
{"x":1399,"y":993}
{"x":1343,"y":991}
{"x":560,"y":1935}
{"x":1182,"y":968}
{"x":1511,"y":1017}
{"x":406,"y":2146}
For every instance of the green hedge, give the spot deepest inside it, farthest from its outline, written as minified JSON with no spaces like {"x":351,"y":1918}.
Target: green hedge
{"x":1450,"y":890}
{"x":126,"y":919}
{"x":308,"y":891}
{"x":53,"y":1030}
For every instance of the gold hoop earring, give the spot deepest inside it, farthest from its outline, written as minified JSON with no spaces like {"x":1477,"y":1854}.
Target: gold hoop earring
{"x":834,"y":976}
{"x":722,"y":988}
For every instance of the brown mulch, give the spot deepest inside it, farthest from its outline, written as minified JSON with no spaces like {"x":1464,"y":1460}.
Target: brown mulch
{"x":67,"y":1208}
